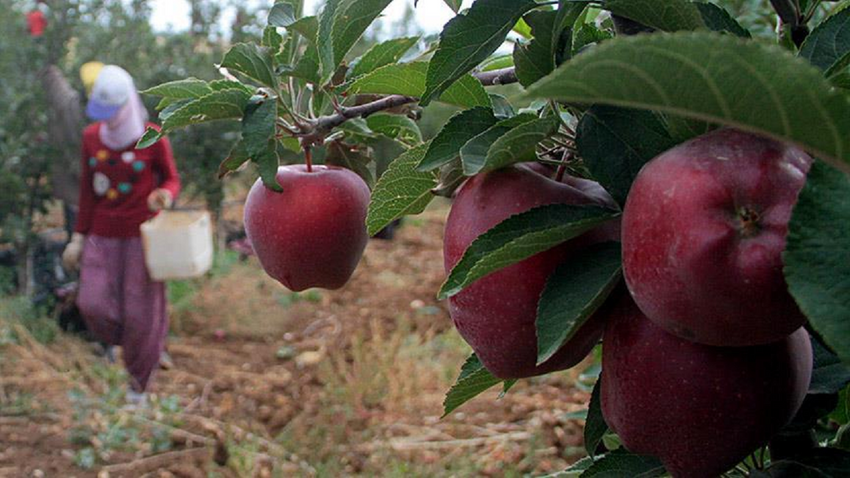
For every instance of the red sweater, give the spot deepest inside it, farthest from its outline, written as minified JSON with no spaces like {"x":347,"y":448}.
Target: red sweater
{"x":115,"y":185}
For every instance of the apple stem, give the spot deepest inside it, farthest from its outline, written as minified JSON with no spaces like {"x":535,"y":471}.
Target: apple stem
{"x":308,"y":158}
{"x":562,"y":168}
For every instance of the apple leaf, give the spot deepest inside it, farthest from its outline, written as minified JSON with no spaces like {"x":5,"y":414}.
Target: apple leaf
{"x":574,"y":471}
{"x":409,"y":79}
{"x":469,"y":39}
{"x":588,"y":34}
{"x":573,"y":293}
{"x":829,"y":375}
{"x":259,"y":124}
{"x":189,"y":88}
{"x":828,"y":46}
{"x":341,"y":23}
{"x":454,"y":4}
{"x":253,"y":61}
{"x":218,"y":85}
{"x":221,"y":104}
{"x":817,"y":255}
{"x":272,"y":40}
{"x":397,"y":127}
{"x":473,"y":380}
{"x":460,"y":128}
{"x":306,"y":68}
{"x":536,"y":58}
{"x":268,"y":162}
{"x":282,"y":14}
{"x":521,"y":236}
{"x":519,"y":144}
{"x":382,"y":54}
{"x":401,"y":190}
{"x":345,"y":156}
{"x":615,"y":143}
{"x":711,"y":77}
{"x":664,"y":15}
{"x":620,"y":463}
{"x":817,"y":462}
{"x":474,"y":152}
{"x":237,"y":157}
{"x":718,"y":19}
{"x":497,"y":63}
{"x":307,"y":27}
{"x":594,"y":426}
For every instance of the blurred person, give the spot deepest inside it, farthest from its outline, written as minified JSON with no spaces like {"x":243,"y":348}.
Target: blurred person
{"x":121,"y":187}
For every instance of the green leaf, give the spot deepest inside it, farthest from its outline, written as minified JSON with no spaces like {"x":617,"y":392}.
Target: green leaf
{"x":253,"y":61}
{"x":397,"y":127}
{"x":307,"y":27}
{"x":497,"y":63}
{"x":830,"y":462}
{"x":272,"y":39}
{"x":474,"y":152}
{"x":615,"y":143}
{"x":828,"y":46}
{"x":519,"y":144}
{"x":382,"y":54}
{"x":588,"y":34}
{"x":469,"y":39}
{"x":237,"y":157}
{"x":149,"y":138}
{"x":458,"y":130}
{"x":341,"y":24}
{"x":519,"y":237}
{"x":718,"y":19}
{"x":621,"y":463}
{"x":573,"y":293}
{"x":409,"y":79}
{"x":346,"y":156}
{"x":664,"y":15}
{"x":817,"y":255}
{"x":454,"y":4}
{"x":259,"y":124}
{"x":189,"y":88}
{"x":307,"y":67}
{"x":282,"y":15}
{"x":473,"y":380}
{"x":218,"y":85}
{"x":594,"y":426}
{"x":501,"y":106}
{"x":552,"y":37}
{"x":222,"y":104}
{"x":268,"y":162}
{"x":711,"y":77}
{"x":401,"y":190}
{"x":829,"y":375}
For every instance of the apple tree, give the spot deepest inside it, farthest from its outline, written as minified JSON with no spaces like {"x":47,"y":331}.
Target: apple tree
{"x":668,"y":176}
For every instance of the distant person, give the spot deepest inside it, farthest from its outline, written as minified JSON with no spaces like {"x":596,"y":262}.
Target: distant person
{"x":121,"y":187}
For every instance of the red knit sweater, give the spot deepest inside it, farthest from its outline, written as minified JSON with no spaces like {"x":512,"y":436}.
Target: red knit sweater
{"x":115,"y":185}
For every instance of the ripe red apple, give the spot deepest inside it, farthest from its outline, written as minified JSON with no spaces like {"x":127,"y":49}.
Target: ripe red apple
{"x":704,"y":228}
{"x":700,"y":409}
{"x":314,"y":232}
{"x":496,"y":314}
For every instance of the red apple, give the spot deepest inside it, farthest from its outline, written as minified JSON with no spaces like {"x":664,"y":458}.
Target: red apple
{"x":314,"y":232}
{"x":704,"y":228}
{"x":496,"y":314}
{"x":700,"y":409}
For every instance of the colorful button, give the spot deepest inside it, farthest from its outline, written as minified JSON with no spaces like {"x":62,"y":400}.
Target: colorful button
{"x":102,"y":155}
{"x":138,"y":166}
{"x":125,"y":188}
{"x":92,"y":162}
{"x":111,"y":194}
{"x":100,"y":184}
{"x":128,"y":157}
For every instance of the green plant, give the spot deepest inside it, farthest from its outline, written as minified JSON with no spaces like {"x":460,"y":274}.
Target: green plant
{"x":607,"y":85}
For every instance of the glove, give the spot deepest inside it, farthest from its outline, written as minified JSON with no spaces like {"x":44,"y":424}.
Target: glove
{"x":73,"y":251}
{"x":160,"y":199}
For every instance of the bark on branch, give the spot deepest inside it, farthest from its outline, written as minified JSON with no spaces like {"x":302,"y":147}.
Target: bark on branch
{"x":320,"y":127}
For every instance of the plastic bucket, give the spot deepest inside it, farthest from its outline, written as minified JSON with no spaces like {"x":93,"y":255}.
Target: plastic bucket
{"x":178,"y":244}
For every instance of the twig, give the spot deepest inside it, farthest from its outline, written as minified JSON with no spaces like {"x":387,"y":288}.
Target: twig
{"x":156,"y":462}
{"x":400,"y":444}
{"x":321,"y":126}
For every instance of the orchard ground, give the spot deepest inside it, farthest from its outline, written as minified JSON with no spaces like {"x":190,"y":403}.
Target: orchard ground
{"x":273,"y":383}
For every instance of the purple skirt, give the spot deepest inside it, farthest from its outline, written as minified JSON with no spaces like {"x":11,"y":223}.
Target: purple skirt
{"x":121,"y":305}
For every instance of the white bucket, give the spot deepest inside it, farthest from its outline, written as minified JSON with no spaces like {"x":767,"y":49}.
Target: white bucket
{"x":178,"y":244}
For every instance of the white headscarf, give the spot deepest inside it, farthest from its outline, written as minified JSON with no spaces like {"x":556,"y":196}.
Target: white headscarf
{"x":127,"y":126}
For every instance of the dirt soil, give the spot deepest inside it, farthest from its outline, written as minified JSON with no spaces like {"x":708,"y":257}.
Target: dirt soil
{"x":271,"y":383}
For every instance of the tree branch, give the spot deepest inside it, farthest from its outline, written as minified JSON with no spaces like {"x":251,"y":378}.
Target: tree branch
{"x":321,"y":126}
